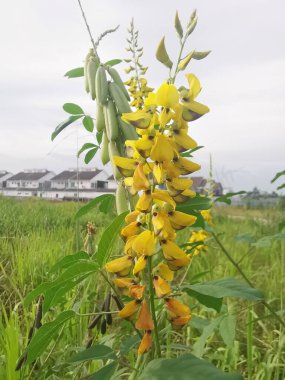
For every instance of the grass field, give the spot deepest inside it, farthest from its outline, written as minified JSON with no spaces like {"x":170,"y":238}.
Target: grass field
{"x":35,"y":233}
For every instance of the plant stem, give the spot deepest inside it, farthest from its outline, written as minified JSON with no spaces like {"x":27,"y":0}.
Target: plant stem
{"x":152,"y":306}
{"x":241,"y":272}
{"x":88,"y":28}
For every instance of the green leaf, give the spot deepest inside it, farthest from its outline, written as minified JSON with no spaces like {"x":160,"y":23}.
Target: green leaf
{"x":227,"y":329}
{"x":67,"y":261}
{"x":85,"y":147}
{"x":281,"y":186}
{"x":227,"y":197}
{"x":75,"y":73}
{"x":63,"y":125}
{"x":113,"y":62}
{"x":281,"y":225}
{"x":185,"y":367}
{"x":278,"y":175}
{"x":92,"y":204}
{"x":105,"y":246}
{"x":206,"y":300}
{"x":197,"y":203}
{"x":245,"y":238}
{"x":199,"y":346}
{"x":201,"y":54}
{"x":227,"y":287}
{"x":191,"y":151}
{"x":73,"y":109}
{"x":128,"y":344}
{"x":107,"y":204}
{"x":178,"y":26}
{"x":104,"y":373}
{"x":90,"y":154}
{"x":88,"y":123}
{"x":99,"y":136}
{"x":45,"y":335}
{"x":41,"y":289}
{"x":100,"y":351}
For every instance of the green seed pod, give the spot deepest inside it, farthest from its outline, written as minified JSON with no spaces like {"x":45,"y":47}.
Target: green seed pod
{"x":117,"y":79}
{"x":101,"y":85}
{"x":121,"y":199}
{"x":94,"y":322}
{"x":100,"y":119}
{"x":105,"y":149}
{"x":86,"y":82}
{"x":113,"y":151}
{"x":112,"y":121}
{"x":128,"y":130}
{"x":162,"y":55}
{"x":107,"y":125}
{"x":92,"y":68}
{"x":119,"y":98}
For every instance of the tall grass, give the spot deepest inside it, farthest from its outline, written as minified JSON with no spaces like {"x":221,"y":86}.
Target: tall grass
{"x":34,"y":234}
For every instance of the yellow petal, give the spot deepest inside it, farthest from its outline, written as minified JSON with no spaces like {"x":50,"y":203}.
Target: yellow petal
{"x":139,"y":265}
{"x":181,"y":219}
{"x":194,"y":85}
{"x":177,"y":308}
{"x":162,"y":149}
{"x":159,"y":172}
{"x":130,"y":230}
{"x":165,"y":272}
{"x":150,"y":100}
{"x":181,"y":183}
{"x":120,"y":264}
{"x":163,"y":196}
{"x":186,"y":166}
{"x":131,"y":217}
{"x":162,"y":288}
{"x":128,"y":249}
{"x":129,"y":309}
{"x":140,"y":181}
{"x":145,"y":344}
{"x":123,"y":282}
{"x":136,"y":291}
{"x":171,"y":251}
{"x":180,"y":321}
{"x":144,"y":202}
{"x":179,"y":263}
{"x":183,"y":140}
{"x":165,"y":116}
{"x":144,"y":321}
{"x":144,"y":244}
{"x":138,"y":119}
{"x":196,"y":107}
{"x":167,"y":95}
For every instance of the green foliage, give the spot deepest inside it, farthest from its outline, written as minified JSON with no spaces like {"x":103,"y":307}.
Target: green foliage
{"x":105,"y":202}
{"x":99,"y":351}
{"x":61,"y":126}
{"x":90,"y":154}
{"x":45,"y":335}
{"x":88,"y":123}
{"x":186,"y":367}
{"x":75,"y":73}
{"x":189,"y":153}
{"x":104,"y":373}
{"x":73,"y":109}
{"x":113,"y":62}
{"x":105,"y":246}
{"x":226,"y":198}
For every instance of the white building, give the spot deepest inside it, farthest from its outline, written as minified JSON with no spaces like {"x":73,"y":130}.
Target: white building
{"x":82,"y":184}
{"x":27,"y":183}
{"x":4,"y":175}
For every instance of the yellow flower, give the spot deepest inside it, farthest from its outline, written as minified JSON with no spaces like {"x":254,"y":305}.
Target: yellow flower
{"x":130,"y":230}
{"x":144,"y":321}
{"x":120,"y":265}
{"x":196,"y":237}
{"x":162,"y":288}
{"x":138,"y":119}
{"x":130,"y":309}
{"x":183,"y":141}
{"x":140,"y":182}
{"x":165,"y":272}
{"x":186,"y":166}
{"x":162,"y":149}
{"x":179,"y":263}
{"x":180,"y":220}
{"x":145,"y":344}
{"x":126,"y":166}
{"x":144,"y":202}
{"x":171,"y":251}
{"x":164,"y":196}
{"x":123,"y":282}
{"x":188,"y":99}
{"x":136,"y":291}
{"x":139,"y":265}
{"x":207,"y":217}
{"x":167,"y":95}
{"x":176,"y":308}
{"x":144,"y":244}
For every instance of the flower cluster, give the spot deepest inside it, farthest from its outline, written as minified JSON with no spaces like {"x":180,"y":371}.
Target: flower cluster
{"x":138,"y":90}
{"x":156,"y":170}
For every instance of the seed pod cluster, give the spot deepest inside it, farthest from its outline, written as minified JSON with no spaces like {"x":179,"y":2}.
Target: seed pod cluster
{"x":105,"y":85}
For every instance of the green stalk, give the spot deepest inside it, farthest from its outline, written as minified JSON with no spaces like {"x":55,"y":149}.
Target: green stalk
{"x":249,"y":332}
{"x":152,"y":306}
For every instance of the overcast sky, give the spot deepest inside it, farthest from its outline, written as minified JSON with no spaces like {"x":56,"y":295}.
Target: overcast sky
{"x":243,"y":79}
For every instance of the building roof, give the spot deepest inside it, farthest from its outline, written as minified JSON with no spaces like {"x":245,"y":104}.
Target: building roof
{"x":3,"y":173}
{"x":28,"y":176}
{"x":111,"y":178}
{"x":73,"y":175}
